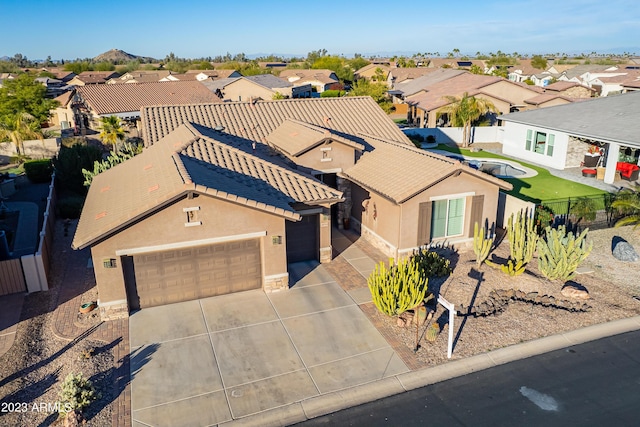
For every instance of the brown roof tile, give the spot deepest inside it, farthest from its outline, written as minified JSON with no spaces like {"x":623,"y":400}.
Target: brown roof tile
{"x":407,"y":170}
{"x":183,"y":161}
{"x":255,"y":121}
{"x":294,"y":137}
{"x":120,"y":98}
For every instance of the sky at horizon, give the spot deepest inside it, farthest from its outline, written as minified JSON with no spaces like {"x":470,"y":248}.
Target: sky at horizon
{"x":40,"y":28}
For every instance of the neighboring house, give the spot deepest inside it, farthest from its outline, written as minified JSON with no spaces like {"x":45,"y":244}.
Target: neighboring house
{"x":262,"y":86}
{"x":570,"y":90}
{"x":584,"y":73}
{"x":92,"y":102}
{"x":523,"y":71}
{"x":179,"y":77}
{"x":64,"y":115}
{"x":558,"y":137}
{"x":140,"y":77}
{"x":54,"y":87}
{"x":204,"y":75}
{"x":505,"y":95}
{"x":92,"y":77}
{"x":407,"y":88}
{"x":320,"y":80}
{"x":371,"y":71}
{"x":222,"y":199}
{"x":613,"y":84}
{"x":399,"y":75}
{"x":455,"y":63}
{"x":631,"y":85}
{"x":543,"y":79}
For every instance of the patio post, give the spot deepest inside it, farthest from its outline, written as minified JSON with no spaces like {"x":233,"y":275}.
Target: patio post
{"x":612,"y":159}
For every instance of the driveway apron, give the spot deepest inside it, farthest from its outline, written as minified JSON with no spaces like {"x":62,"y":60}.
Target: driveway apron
{"x":209,"y":361}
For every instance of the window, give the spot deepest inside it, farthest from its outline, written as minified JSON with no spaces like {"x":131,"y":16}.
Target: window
{"x":539,"y":142}
{"x":447,"y":218}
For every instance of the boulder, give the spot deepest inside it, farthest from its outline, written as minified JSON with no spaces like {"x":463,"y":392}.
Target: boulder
{"x":624,"y":251}
{"x":575,"y":291}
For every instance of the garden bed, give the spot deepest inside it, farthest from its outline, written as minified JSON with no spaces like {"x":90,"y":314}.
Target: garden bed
{"x":609,"y":284}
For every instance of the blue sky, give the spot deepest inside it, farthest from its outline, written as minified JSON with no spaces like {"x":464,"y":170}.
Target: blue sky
{"x":80,"y":29}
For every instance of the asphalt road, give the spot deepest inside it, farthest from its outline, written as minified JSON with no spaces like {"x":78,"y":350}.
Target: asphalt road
{"x":593,"y":384}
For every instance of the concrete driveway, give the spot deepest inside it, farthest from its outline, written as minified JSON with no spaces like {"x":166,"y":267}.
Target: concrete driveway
{"x":213,"y":360}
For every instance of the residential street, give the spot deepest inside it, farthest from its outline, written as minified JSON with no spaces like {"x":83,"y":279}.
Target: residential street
{"x":586,"y":385}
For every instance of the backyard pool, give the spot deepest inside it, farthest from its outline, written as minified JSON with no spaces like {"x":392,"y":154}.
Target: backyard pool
{"x":496,"y":168}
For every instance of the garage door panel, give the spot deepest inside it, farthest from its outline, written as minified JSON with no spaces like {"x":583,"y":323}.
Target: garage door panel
{"x":198,"y":272}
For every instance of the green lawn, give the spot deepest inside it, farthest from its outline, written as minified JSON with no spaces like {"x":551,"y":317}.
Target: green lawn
{"x":540,"y":188}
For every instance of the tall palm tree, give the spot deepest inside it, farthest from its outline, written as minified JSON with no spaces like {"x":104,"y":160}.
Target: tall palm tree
{"x":111,"y":130}
{"x":463,"y":111}
{"x":19,"y":128}
{"x":627,"y":202}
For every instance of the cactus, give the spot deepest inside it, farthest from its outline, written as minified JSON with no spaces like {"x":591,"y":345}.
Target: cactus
{"x":522,"y":237}
{"x":560,"y":253}
{"x":522,"y":243}
{"x":397,"y":288}
{"x":481,"y":245}
{"x":432,"y":332}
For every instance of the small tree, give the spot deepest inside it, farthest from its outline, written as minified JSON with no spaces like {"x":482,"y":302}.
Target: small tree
{"x":111,"y":130}
{"x":627,"y":203}
{"x":18,"y":128}
{"x":464,"y":111}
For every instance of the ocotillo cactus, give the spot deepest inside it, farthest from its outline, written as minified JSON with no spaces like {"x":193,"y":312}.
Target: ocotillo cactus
{"x":481,"y":245}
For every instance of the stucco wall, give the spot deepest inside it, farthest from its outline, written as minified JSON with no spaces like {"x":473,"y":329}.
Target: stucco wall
{"x":377,"y":219}
{"x":465,"y":185}
{"x":338,"y":157}
{"x":219,"y":219}
{"x":514,"y":139}
{"x":243,"y":90}
{"x":36,"y":149}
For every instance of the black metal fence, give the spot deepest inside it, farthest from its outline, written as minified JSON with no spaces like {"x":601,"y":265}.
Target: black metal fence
{"x":593,"y":212}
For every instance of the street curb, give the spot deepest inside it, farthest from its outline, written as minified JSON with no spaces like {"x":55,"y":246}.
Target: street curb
{"x":328,"y":403}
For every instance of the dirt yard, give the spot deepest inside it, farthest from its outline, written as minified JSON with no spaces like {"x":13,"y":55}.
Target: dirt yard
{"x":611,"y":284}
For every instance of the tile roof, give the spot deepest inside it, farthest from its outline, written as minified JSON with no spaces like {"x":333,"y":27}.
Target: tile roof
{"x":436,"y":95}
{"x":64,"y":98}
{"x":609,"y":118}
{"x":294,"y":137}
{"x":323,"y":76}
{"x":546,"y":97}
{"x":254,"y":121}
{"x":411,"y":87}
{"x":401,"y":74}
{"x":120,"y":98}
{"x":561,"y":85}
{"x":269,"y":81}
{"x":407,"y":170}
{"x":186,"y":160}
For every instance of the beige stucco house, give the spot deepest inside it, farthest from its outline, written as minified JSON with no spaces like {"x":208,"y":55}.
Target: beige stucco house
{"x":226,"y":195}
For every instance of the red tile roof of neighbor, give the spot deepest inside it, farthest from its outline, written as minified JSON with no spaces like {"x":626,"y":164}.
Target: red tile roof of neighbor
{"x":121,"y":98}
{"x":184,"y":161}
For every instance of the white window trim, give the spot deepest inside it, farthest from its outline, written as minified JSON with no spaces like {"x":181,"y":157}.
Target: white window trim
{"x":452,"y":196}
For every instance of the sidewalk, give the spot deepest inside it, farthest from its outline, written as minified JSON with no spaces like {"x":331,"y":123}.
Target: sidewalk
{"x":71,"y":282}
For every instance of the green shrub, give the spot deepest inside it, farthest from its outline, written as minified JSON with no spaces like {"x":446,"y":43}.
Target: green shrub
{"x":543,"y":217}
{"x":38,"y":170}
{"x":76,"y":393}
{"x":332,"y":93}
{"x":431,"y":263}
{"x":69,"y":164}
{"x":398,"y":288}
{"x":70,"y":207}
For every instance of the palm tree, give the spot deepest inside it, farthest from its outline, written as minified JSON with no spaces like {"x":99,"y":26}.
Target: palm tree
{"x":463,"y":111}
{"x":111,"y":130}
{"x":19,"y":128}
{"x":627,"y":202}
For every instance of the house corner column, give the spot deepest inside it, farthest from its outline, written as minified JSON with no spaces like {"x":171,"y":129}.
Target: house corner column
{"x":613,"y":150}
{"x":326,"y":251}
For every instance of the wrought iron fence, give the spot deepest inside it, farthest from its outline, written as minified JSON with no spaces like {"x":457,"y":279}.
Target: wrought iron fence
{"x":594,"y":212}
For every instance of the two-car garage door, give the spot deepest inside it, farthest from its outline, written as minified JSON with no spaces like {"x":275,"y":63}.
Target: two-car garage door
{"x":194,"y":272}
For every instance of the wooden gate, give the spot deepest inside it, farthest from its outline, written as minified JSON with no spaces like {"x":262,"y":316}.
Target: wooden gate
{"x":11,"y":277}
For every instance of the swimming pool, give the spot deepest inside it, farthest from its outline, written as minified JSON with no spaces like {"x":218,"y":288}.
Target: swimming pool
{"x":496,"y":168}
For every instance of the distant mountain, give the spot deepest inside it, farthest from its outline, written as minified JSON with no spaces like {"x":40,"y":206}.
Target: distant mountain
{"x":118,"y":56}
